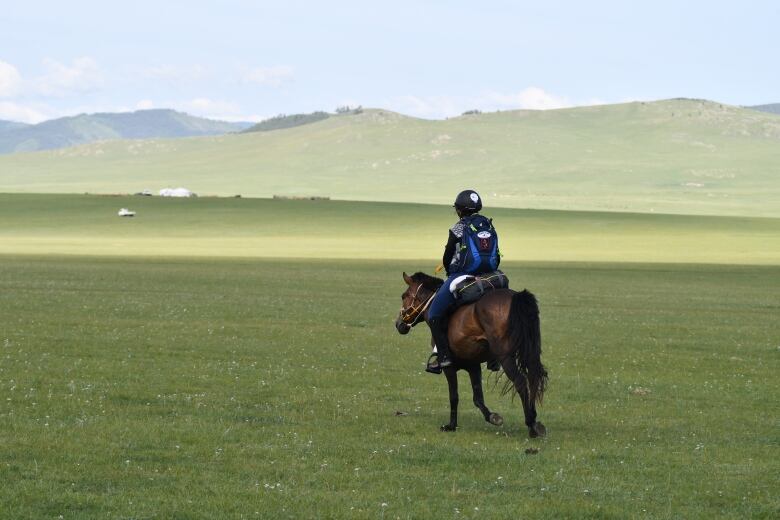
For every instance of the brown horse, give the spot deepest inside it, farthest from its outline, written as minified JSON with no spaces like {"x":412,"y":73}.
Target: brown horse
{"x":502,"y":325}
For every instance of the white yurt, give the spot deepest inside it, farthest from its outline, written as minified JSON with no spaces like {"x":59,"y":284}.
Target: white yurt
{"x":176,"y":192}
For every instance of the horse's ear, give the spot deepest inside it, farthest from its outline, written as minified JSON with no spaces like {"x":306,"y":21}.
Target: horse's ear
{"x":407,"y":279}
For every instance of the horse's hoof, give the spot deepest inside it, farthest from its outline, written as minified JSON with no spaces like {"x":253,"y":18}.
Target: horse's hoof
{"x":537,"y":430}
{"x":448,"y":428}
{"x":495,"y":419}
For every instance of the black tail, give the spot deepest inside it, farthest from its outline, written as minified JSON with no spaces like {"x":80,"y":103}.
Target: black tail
{"x":525,"y":339}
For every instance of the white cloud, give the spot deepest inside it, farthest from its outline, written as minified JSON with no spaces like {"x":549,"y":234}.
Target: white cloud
{"x":215,"y":109}
{"x":10,"y":80}
{"x":269,"y":76}
{"x":82,"y":75}
{"x":531,"y":98}
{"x":175,"y":73}
{"x":25,"y":114}
{"x":430,"y":106}
{"x":145,"y":104}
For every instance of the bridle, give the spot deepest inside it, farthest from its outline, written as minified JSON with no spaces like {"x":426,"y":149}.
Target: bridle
{"x":411,"y":315}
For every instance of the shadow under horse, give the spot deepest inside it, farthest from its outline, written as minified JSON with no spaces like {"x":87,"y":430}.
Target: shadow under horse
{"x":502,"y":325}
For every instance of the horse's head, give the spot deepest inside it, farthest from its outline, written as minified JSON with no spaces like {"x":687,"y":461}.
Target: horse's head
{"x":415,"y":300}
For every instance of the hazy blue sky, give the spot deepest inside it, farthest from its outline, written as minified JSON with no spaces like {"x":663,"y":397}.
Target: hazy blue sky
{"x":236,"y":59}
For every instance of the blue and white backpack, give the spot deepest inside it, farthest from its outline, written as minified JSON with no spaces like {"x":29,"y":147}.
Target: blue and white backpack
{"x":478,"y":251}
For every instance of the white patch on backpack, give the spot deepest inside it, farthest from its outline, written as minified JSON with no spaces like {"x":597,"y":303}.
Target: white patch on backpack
{"x":484,"y":234}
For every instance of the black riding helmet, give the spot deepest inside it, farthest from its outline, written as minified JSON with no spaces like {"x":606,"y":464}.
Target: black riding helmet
{"x":468,"y":202}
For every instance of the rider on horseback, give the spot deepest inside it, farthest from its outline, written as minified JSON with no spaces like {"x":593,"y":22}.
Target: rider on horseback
{"x":464,"y":254}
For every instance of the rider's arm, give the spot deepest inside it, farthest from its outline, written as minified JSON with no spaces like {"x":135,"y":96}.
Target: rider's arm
{"x":449,"y":251}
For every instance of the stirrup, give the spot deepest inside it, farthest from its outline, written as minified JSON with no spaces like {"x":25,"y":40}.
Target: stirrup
{"x":432,"y":366}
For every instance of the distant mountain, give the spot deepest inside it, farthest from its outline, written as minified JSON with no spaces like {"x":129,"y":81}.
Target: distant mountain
{"x":773,"y":108}
{"x":11,"y":125}
{"x":86,"y":128}
{"x":242,"y":125}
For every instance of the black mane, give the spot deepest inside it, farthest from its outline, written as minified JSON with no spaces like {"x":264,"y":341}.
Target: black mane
{"x":427,"y":281}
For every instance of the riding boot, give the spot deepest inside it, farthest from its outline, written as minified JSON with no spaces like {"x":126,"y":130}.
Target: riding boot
{"x":439,"y":330}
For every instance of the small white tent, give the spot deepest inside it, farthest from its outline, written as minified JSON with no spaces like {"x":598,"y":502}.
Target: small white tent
{"x":176,"y":192}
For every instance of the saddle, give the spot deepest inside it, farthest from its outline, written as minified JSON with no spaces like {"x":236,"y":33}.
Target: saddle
{"x":470,"y":288}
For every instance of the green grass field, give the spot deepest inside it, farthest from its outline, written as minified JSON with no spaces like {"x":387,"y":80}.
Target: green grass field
{"x":209,"y":227}
{"x":674,"y":156}
{"x":177,"y":365}
{"x":254,"y":388}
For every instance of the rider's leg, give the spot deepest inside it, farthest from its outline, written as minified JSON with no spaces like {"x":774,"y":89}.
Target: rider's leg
{"x":437,"y":321}
{"x":439,"y":330}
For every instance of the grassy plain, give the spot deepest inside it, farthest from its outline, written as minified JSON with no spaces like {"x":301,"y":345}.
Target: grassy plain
{"x":176,"y":365}
{"x":208,"y":227}
{"x":208,"y":388}
{"x":674,"y":156}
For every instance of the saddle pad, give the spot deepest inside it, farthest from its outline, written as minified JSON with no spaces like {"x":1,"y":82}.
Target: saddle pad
{"x":468,"y":288}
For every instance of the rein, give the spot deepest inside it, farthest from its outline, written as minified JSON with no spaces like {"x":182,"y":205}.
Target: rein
{"x":411,"y":315}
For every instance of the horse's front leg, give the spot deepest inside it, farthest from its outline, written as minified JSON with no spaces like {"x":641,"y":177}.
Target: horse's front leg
{"x":452,"y":382}
{"x":475,"y":374}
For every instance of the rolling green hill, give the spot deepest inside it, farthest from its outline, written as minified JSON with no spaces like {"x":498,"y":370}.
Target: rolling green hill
{"x":674,"y":156}
{"x":84,"y":128}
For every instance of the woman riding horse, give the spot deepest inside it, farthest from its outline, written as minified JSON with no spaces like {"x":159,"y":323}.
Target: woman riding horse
{"x":503,"y":325}
{"x":459,"y":259}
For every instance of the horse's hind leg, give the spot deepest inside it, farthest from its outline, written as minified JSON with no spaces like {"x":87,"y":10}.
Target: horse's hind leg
{"x":535,"y":429}
{"x":452,"y":383}
{"x":475,"y":374}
